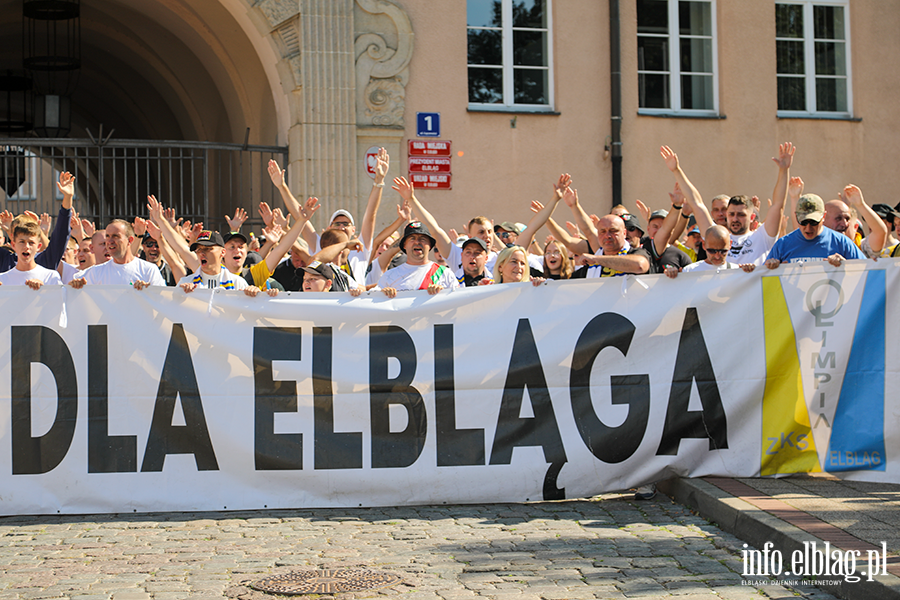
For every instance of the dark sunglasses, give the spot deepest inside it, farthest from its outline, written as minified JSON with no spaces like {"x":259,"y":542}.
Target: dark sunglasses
{"x":151,"y":244}
{"x":808,"y":222}
{"x":716,"y":251}
{"x":633,"y":229}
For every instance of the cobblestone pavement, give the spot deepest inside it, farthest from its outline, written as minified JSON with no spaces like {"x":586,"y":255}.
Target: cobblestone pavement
{"x":607,"y":547}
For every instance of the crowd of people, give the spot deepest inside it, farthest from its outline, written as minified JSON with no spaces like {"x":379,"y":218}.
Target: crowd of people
{"x":415,"y":252}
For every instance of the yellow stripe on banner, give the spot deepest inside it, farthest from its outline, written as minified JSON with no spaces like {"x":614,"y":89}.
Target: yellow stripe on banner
{"x":787,"y":441}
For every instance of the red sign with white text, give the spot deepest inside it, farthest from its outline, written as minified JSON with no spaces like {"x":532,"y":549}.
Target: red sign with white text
{"x":426,"y":181}
{"x":420,"y":164}
{"x":429,"y":148}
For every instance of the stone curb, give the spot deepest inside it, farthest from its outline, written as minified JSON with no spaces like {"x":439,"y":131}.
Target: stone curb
{"x":756,"y":527}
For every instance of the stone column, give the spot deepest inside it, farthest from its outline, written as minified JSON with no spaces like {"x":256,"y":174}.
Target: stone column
{"x":323,"y":139}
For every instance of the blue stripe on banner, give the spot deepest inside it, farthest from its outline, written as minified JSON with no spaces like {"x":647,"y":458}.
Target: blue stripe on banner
{"x":857,"y":436}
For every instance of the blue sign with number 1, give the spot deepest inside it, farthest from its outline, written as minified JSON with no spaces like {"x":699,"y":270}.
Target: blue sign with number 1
{"x":428,"y":124}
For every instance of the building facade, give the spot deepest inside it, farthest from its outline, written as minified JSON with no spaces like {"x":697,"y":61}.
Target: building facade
{"x":523,"y":90}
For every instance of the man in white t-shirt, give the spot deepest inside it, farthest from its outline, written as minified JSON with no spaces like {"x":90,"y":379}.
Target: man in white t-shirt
{"x":418,"y":273}
{"x":123,"y":267}
{"x":26,"y":238}
{"x":210,"y":250}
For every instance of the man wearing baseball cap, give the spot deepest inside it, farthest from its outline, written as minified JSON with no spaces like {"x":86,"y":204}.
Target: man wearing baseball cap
{"x":418,"y":273}
{"x":812,"y":241}
{"x":474,"y":261}
{"x":210,"y":249}
{"x":320,"y":277}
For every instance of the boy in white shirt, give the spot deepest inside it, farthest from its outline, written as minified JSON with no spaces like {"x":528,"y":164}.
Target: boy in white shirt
{"x":27,"y":243}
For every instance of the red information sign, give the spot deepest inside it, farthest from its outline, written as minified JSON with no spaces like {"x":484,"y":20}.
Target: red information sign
{"x":429,"y":148}
{"x":419,"y":164}
{"x":430,"y":182}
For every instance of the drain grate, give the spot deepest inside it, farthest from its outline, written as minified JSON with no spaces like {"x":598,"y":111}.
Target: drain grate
{"x":325,"y":581}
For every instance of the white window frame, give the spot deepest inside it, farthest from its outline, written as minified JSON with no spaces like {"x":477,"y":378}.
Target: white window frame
{"x":809,"y":59}
{"x":507,"y":29}
{"x":674,"y":74}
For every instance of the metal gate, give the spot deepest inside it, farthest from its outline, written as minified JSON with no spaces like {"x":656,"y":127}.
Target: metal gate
{"x":202,"y":181}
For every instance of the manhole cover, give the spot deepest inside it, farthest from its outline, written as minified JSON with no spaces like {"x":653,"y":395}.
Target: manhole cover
{"x":325,"y":581}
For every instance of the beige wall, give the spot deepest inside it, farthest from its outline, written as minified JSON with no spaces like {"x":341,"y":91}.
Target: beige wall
{"x":503,"y":168}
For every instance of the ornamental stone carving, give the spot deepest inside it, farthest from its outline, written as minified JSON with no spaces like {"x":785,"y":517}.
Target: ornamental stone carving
{"x":382,"y":61}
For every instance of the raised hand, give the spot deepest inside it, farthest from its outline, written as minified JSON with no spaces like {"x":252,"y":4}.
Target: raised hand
{"x":274,"y":233}
{"x":89,"y":228}
{"x":153,"y":230}
{"x":265,"y":212}
{"x":565,"y":180}
{"x":169,"y":215}
{"x":795,"y":187}
{"x":852,"y":195}
{"x":670,"y":157}
{"x":276,"y":173}
{"x":76,"y":227}
{"x":677,"y":196}
{"x":6,"y":219}
{"x":536,"y":206}
{"x":310,"y":207}
{"x":644,"y":210}
{"x":382,"y":163}
{"x":45,"y":222}
{"x":140,"y":227}
{"x":240,"y":215}
{"x":785,"y":155}
{"x":404,"y":188}
{"x":280,"y":219}
{"x":66,"y":184}
{"x":570,"y":197}
{"x":404,"y":211}
{"x":194,"y":232}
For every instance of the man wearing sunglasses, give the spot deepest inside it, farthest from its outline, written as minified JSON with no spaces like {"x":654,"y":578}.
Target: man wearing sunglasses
{"x":812,"y":241}
{"x":717,"y":244}
{"x":153,"y":255}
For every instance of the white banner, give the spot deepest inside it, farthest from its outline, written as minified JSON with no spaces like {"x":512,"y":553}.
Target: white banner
{"x":158,"y":400}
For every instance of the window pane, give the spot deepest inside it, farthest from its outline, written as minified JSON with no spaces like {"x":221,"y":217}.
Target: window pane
{"x":653,"y":91}
{"x":653,"y":16}
{"x":830,"y":58}
{"x":791,"y":93}
{"x":788,"y":20}
{"x":828,"y":22}
{"x":530,"y":48}
{"x":484,"y":13}
{"x":485,"y":85}
{"x":485,"y":47}
{"x":696,"y":55}
{"x":697,"y":92}
{"x":529,"y":13}
{"x":789,"y":57}
{"x":831,"y":95}
{"x":530,"y":86}
{"x":653,"y":54}
{"x":694,"y":18}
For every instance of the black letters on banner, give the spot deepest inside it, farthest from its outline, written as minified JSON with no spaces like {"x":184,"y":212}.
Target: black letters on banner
{"x":31,"y":344}
{"x":106,"y":453}
{"x":332,"y":450}
{"x":178,"y":380}
{"x":693,"y":364}
{"x":403,"y":448}
{"x":455,"y":447}
{"x":273,"y":451}
{"x":609,"y":444}
{"x":525,"y":370}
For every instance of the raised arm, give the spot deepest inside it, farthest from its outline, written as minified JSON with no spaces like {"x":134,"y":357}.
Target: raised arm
{"x":575,"y":244}
{"x":406,"y":191}
{"x":404,"y":214}
{"x":542,"y":213}
{"x":795,"y":190}
{"x":691,"y":195}
{"x":367,"y":227}
{"x":776,"y":211}
{"x":287,"y":240}
{"x":570,"y":197}
{"x":661,"y":239}
{"x":277,"y":175}
{"x":174,"y":238}
{"x":165,"y":250}
{"x":877,"y":229}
